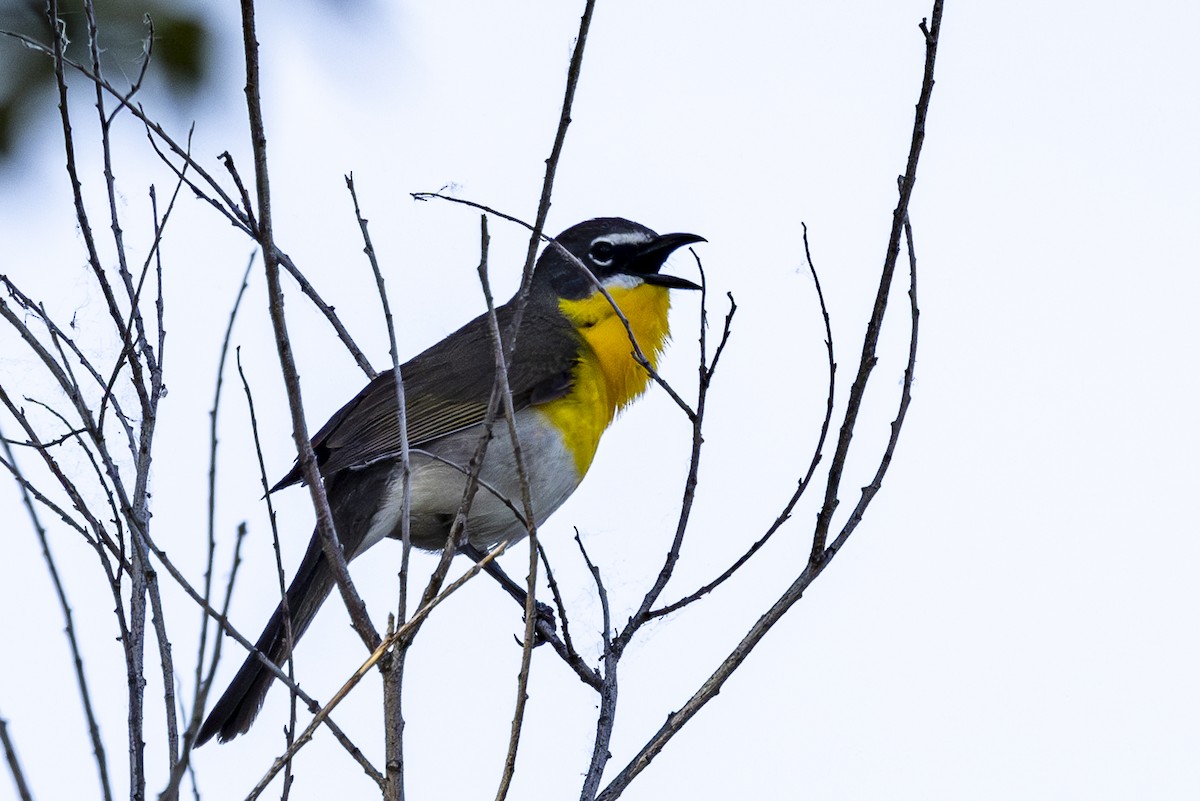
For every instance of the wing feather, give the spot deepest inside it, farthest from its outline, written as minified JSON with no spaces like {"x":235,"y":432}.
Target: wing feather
{"x":446,"y":390}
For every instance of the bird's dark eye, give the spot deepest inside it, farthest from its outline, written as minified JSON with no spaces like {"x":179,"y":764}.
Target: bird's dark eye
{"x":602,"y":252}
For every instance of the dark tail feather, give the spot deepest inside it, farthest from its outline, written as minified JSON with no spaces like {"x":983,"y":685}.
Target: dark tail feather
{"x":239,"y":706}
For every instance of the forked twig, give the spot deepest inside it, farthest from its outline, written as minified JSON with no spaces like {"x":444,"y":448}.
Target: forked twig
{"x":804,"y":481}
{"x":875,"y":324}
{"x":819,"y":561}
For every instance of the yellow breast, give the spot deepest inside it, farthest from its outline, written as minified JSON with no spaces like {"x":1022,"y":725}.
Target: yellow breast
{"x":608,"y":377}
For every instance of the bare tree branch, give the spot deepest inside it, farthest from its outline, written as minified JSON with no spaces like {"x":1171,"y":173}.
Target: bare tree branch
{"x":307,"y":459}
{"x":289,"y":731}
{"x":85,"y":694}
{"x":868,"y":359}
{"x":510,"y":759}
{"x":405,"y":631}
{"x":805,"y":480}
{"x":14,"y":764}
{"x":202,"y":687}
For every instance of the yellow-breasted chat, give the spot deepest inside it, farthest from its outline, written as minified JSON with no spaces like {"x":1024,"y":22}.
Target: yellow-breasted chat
{"x":571,"y":371}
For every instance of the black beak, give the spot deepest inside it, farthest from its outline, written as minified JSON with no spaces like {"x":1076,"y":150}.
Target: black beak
{"x":651,"y":256}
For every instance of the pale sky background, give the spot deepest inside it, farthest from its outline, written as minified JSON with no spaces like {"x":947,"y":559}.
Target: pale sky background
{"x":1015,"y":618}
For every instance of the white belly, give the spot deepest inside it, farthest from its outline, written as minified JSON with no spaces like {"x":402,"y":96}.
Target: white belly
{"x":439,"y":473}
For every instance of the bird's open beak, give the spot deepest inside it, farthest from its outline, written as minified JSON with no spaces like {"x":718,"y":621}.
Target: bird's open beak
{"x":651,"y":257}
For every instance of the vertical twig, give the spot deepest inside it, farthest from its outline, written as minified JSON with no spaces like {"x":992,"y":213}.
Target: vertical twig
{"x":608,"y":690}
{"x":709,"y":689}
{"x":14,"y":764}
{"x":85,"y":694}
{"x":560,"y":137}
{"x":202,"y":687}
{"x":285,"y":611}
{"x":142,"y":494}
{"x":871,"y":340}
{"x":307,"y":459}
{"x":869,"y":491}
{"x":393,"y":669}
{"x":806,"y":479}
{"x":510,"y":759}
{"x":204,"y":681}
{"x":405,"y":632}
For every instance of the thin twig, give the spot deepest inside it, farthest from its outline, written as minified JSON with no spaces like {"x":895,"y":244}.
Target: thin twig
{"x":805,"y":480}
{"x":642,"y":615}
{"x":393,"y":671}
{"x":615,"y":646}
{"x":874,"y":325}
{"x":510,"y":759}
{"x":608,"y":690}
{"x":204,"y":681}
{"x":560,"y":136}
{"x":14,"y":764}
{"x":154,"y":366}
{"x":676,"y":720}
{"x":405,"y":631}
{"x":201,"y":651}
{"x":85,"y":694}
{"x":247,"y":205}
{"x":559,"y":604}
{"x":869,"y":491}
{"x":339,"y":328}
{"x":330,"y":543}
{"x":289,"y":636}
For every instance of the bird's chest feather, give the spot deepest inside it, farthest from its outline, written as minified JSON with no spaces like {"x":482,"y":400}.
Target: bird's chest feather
{"x":607,"y":377}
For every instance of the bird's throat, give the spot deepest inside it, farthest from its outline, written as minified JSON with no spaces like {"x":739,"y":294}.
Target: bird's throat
{"x":608,"y":377}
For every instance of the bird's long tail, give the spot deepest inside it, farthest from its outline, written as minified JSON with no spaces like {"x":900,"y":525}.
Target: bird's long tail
{"x":237,"y":708}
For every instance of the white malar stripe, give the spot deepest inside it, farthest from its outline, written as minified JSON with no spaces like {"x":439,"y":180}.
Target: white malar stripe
{"x":622,"y":281}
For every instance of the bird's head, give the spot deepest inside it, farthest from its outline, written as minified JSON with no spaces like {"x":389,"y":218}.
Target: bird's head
{"x":618,"y":252}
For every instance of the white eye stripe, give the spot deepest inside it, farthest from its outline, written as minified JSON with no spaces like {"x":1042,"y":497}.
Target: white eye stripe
{"x":626,"y":238}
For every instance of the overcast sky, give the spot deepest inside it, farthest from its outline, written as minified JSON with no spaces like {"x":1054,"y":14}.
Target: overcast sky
{"x":1016,"y":616}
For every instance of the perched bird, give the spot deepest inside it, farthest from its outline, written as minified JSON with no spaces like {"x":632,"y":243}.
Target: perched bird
{"x":572,"y":369}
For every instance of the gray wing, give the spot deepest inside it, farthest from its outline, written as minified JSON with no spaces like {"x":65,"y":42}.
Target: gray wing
{"x":446,"y":391}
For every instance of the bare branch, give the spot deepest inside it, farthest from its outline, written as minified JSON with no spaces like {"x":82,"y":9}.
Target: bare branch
{"x":805,"y":480}
{"x":608,"y":691}
{"x":311,"y":293}
{"x":85,"y":694}
{"x":204,"y":680}
{"x":14,"y":764}
{"x":331,"y":545}
{"x":868,"y":359}
{"x":820,"y":560}
{"x":869,"y":491}
{"x":560,"y":136}
{"x":510,"y":759}
{"x":404,"y":632}
{"x":559,"y":604}
{"x":642,"y":615}
{"x":202,"y":687}
{"x":280,"y":574}
{"x":393,"y":670}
